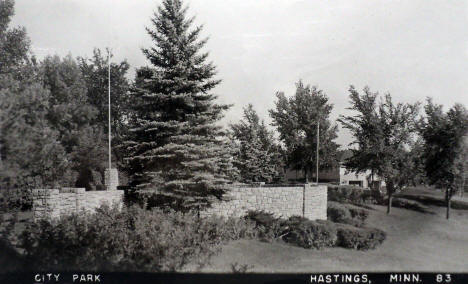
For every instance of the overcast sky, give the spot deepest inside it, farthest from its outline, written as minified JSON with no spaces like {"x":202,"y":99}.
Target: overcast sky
{"x":412,"y":49}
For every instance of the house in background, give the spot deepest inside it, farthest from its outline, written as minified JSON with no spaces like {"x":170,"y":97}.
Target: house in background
{"x":364,"y":180}
{"x":337,"y":175}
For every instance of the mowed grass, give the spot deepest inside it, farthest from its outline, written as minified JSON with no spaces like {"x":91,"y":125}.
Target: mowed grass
{"x":415,"y":242}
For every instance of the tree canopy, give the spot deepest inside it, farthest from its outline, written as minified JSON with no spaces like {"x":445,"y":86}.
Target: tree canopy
{"x":297,"y":119}
{"x":445,"y":150}
{"x":383,"y":133}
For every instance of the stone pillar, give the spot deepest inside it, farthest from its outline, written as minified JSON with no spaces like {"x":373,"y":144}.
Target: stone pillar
{"x":45,"y":204}
{"x":111,"y":179}
{"x":315,"y":202}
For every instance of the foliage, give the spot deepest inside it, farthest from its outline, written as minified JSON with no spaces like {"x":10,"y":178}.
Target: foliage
{"x":134,"y":239}
{"x":445,"y":149}
{"x":31,"y":153}
{"x":95,"y":74}
{"x":14,"y":43}
{"x":383,"y":135}
{"x":15,"y":199}
{"x":267,"y":225}
{"x":296,"y":119}
{"x":175,"y":144}
{"x":73,"y":117}
{"x":311,"y":234}
{"x":341,"y":213}
{"x":352,"y":194}
{"x":240,"y":268}
{"x":258,"y":158}
{"x":359,"y":238}
{"x":345,"y":229}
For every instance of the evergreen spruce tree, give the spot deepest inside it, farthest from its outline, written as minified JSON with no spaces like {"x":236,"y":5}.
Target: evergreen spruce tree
{"x":175,"y":146}
{"x":258,"y":157}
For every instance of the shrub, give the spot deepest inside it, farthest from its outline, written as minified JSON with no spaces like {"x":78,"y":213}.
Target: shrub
{"x":359,"y":238}
{"x":310,"y":234}
{"x":345,"y":214}
{"x":337,"y":212}
{"x":267,"y":226}
{"x":353,"y":194}
{"x":15,"y":199}
{"x":359,"y":215}
{"x":133,"y":239}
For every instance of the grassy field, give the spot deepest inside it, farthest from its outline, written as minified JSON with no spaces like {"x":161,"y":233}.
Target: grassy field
{"x":415,"y":242}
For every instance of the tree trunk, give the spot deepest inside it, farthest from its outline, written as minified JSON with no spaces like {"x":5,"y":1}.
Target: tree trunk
{"x":390,"y":191}
{"x":447,"y":198}
{"x":306,"y":175}
{"x":389,"y":204}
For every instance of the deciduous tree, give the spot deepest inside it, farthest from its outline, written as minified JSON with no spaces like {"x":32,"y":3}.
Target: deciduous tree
{"x":383,"y":134}
{"x":297,"y":119}
{"x":444,"y":148}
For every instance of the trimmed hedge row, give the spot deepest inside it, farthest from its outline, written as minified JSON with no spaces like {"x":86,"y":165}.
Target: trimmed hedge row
{"x":317,"y":234}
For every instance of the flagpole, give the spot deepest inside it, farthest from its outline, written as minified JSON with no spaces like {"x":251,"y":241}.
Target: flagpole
{"x":318,"y":141}
{"x":109,"y":109}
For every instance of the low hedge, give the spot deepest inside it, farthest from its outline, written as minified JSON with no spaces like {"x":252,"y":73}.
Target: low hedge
{"x":311,"y":234}
{"x":317,"y":234}
{"x":342,"y":213}
{"x":359,"y":238}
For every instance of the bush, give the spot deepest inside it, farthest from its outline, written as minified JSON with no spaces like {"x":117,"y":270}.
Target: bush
{"x":15,"y":199}
{"x":353,"y":194}
{"x":268,"y":227}
{"x":337,"y":212}
{"x":342,"y":213}
{"x":133,"y":239}
{"x":317,"y":234}
{"x":310,"y":234}
{"x":359,"y":238}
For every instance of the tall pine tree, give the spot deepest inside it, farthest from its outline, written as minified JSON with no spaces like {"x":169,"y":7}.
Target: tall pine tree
{"x":176,"y":146}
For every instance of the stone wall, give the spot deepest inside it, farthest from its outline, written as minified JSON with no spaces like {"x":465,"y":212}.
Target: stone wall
{"x":51,"y":203}
{"x":307,"y":200}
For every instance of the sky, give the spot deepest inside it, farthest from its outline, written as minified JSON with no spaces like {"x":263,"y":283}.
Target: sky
{"x":410,"y":49}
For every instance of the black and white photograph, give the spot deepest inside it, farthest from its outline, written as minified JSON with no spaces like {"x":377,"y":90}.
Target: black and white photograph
{"x":236,"y":141}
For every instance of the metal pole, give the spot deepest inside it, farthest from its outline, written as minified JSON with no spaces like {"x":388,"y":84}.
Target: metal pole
{"x":109,"y":110}
{"x":318,"y":141}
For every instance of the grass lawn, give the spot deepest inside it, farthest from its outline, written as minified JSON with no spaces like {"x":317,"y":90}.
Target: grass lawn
{"x":415,"y":242}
